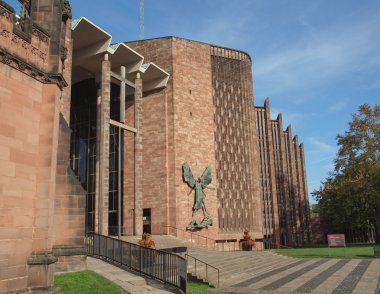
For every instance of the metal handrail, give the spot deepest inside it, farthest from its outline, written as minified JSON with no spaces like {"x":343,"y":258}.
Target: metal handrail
{"x":213,"y":241}
{"x":167,"y":267}
{"x":206,"y":264}
{"x":286,"y":247}
{"x":194,"y":234}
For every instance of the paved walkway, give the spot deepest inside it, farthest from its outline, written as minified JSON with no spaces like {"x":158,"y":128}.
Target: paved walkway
{"x":267,"y":272}
{"x":317,"y":276}
{"x":129,"y":281}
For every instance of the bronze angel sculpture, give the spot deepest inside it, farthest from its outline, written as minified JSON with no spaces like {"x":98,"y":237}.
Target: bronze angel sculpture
{"x":200,"y":199}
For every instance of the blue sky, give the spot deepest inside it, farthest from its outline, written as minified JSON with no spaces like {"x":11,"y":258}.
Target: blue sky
{"x":316,"y":60}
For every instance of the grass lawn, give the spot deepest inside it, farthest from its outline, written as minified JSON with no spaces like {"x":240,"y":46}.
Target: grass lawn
{"x":356,"y":251}
{"x":89,"y":282}
{"x":85,"y":282}
{"x":200,"y":288}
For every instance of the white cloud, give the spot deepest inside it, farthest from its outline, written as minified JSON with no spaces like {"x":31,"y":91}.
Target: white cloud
{"x":319,"y":145}
{"x":337,"y":107}
{"x":329,"y":167}
{"x":318,"y":58}
{"x":374,"y":85}
{"x":224,"y":30}
{"x":288,"y":117}
{"x":322,"y":159}
{"x":274,"y":111}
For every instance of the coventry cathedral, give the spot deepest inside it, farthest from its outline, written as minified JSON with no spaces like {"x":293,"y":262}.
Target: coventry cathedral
{"x":94,"y":137}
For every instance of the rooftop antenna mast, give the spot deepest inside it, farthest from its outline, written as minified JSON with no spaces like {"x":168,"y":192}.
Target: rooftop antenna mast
{"x":141,"y":19}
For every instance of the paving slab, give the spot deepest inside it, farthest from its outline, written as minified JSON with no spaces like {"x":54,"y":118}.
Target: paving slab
{"x":129,"y":281}
{"x":264,"y":272}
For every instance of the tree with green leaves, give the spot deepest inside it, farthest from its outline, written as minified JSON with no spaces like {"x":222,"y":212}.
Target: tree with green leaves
{"x":314,"y":208}
{"x":350,"y":196}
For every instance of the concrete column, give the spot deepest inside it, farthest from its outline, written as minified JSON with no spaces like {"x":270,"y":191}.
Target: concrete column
{"x":104,"y":138}
{"x":138,"y":224}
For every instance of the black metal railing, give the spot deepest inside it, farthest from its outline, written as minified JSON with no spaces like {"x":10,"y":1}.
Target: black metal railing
{"x":166,"y":267}
{"x":193,"y":237}
{"x":219,"y":245}
{"x":204,"y":270}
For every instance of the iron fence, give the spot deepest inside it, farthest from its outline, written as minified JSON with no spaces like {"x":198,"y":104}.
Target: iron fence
{"x":202,"y":270}
{"x":166,"y":267}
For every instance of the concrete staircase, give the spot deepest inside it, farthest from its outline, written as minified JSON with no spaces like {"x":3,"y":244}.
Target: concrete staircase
{"x":233,"y":266}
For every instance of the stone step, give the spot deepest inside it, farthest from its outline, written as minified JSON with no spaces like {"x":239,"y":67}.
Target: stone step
{"x":234,"y":266}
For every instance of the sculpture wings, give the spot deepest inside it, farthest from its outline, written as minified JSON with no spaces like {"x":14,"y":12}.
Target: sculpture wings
{"x":200,"y":200}
{"x":206,"y":176}
{"x":188,"y":175}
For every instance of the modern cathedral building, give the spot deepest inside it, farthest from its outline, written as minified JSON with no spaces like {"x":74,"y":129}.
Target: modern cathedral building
{"x":94,"y":137}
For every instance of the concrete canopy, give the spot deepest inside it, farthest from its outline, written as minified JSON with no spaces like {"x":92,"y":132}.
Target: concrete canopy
{"x":91,"y":43}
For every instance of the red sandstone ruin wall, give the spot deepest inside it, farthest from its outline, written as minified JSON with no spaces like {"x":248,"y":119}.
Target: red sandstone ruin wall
{"x":31,"y":100}
{"x":28,"y":144}
{"x":70,"y":197}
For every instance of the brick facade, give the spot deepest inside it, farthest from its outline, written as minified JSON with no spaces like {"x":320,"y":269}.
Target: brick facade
{"x":291,"y":186}
{"x":158,"y":144}
{"x":258,"y":169}
{"x":178,"y":127}
{"x":270,"y":201}
{"x":235,"y":145}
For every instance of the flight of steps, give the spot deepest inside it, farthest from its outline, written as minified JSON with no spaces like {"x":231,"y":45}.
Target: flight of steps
{"x":234,"y":266}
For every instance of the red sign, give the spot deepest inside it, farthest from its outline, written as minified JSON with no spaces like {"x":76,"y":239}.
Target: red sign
{"x":336,"y":240}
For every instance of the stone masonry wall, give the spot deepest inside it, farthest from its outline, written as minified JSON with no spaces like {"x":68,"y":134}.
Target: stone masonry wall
{"x":32,"y":97}
{"x":69,"y":209}
{"x":70,"y":197}
{"x":268,"y":174}
{"x":129,"y":173}
{"x":178,"y":127}
{"x":28,"y":142}
{"x":239,"y":203}
{"x":158,"y":170}
{"x":33,"y":49}
{"x":194,"y":127}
